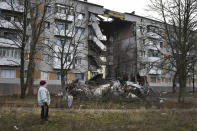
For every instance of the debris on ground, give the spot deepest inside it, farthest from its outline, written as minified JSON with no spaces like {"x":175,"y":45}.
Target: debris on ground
{"x":97,"y":87}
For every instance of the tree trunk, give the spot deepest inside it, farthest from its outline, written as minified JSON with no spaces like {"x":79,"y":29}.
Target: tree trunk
{"x":30,"y":81}
{"x":22,"y":63}
{"x":174,"y":84}
{"x":22,"y":81}
{"x":182,"y":85}
{"x":193,"y":80}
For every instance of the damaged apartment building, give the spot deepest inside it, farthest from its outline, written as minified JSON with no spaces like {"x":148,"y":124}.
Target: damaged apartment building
{"x":90,"y":61}
{"x":113,"y":45}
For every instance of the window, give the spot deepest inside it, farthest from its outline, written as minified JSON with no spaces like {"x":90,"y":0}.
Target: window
{"x":163,"y":79}
{"x":153,"y":79}
{"x":170,"y":80}
{"x":10,"y":35}
{"x":79,"y":30}
{"x":78,"y":61}
{"x":141,"y":30}
{"x":142,"y":53}
{"x":79,"y":76}
{"x":60,"y":42}
{"x":46,"y":41}
{"x":47,"y":25}
{"x":8,"y":18}
{"x":70,"y":10}
{"x":8,"y":74}
{"x":10,"y":1}
{"x":48,"y":9}
{"x":151,"y":28}
{"x":69,"y":58}
{"x":154,"y":53}
{"x":58,"y":76}
{"x":161,"y":44}
{"x":9,"y":52}
{"x":62,"y":26}
{"x":21,"y":2}
{"x":46,"y":57}
{"x":80,"y":16}
{"x":44,"y":75}
{"x":60,"y":9}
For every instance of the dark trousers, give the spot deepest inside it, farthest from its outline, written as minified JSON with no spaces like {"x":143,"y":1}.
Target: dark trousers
{"x":44,"y":112}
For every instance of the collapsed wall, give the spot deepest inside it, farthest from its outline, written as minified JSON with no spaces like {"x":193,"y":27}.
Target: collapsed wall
{"x":121,"y":46}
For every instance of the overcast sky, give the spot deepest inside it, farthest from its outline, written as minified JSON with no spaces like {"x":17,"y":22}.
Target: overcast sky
{"x":138,"y":6}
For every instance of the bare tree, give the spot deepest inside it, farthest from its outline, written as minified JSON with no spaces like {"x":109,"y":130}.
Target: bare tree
{"x":179,"y":22}
{"x":32,"y":15}
{"x":69,"y":49}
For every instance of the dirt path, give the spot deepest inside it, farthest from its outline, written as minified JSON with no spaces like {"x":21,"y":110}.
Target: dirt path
{"x":100,"y":110}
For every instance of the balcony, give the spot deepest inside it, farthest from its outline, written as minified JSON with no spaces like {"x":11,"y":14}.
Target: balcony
{"x":63,"y":32}
{"x":65,"y":17}
{"x":10,"y":24}
{"x":9,"y":43}
{"x":153,"y":35}
{"x":16,"y":7}
{"x":97,"y":42}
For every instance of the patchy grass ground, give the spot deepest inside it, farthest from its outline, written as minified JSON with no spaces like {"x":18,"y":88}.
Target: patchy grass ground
{"x":164,"y":120}
{"x":31,"y":101}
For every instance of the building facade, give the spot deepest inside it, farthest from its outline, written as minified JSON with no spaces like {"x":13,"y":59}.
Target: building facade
{"x":111,"y":43}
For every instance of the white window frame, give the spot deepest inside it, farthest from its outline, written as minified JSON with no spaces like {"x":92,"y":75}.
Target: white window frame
{"x":44,"y":75}
{"x":8,"y":73}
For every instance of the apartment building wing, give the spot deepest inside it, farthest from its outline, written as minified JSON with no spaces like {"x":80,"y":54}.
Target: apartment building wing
{"x":9,"y":44}
{"x":57,"y":27}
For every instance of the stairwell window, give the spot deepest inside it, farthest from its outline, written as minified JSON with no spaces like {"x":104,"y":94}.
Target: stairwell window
{"x":153,"y":79}
{"x":44,"y":75}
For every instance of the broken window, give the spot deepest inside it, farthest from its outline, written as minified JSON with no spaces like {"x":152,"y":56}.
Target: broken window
{"x":80,"y":16}
{"x":153,"y":53}
{"x":48,"y":9}
{"x":47,"y":25}
{"x":151,"y":28}
{"x":79,"y":30}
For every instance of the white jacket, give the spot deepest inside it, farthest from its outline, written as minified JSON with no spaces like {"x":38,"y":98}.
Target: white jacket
{"x":43,"y":96}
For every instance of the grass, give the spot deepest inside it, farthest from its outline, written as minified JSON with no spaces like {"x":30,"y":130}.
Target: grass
{"x":163,"y":120}
{"x":56,"y":102}
{"x":175,"y":95}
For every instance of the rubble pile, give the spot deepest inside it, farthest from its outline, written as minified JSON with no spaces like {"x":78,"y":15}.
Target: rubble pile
{"x":111,"y":89}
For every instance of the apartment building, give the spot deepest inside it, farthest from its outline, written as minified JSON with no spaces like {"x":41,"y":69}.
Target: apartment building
{"x":113,"y":44}
{"x":135,"y":46}
{"x":75,"y":21}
